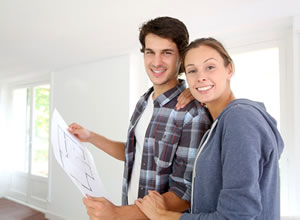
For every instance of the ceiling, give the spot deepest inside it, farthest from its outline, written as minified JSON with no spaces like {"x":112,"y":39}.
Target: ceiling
{"x":40,"y":36}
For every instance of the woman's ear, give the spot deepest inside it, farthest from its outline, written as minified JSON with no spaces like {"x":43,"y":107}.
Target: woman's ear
{"x":230,"y":71}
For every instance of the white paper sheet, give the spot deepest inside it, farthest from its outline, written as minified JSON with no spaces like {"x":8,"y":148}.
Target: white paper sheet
{"x":75,"y":159}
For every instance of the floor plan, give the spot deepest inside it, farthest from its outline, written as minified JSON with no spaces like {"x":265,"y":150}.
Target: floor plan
{"x":75,"y":159}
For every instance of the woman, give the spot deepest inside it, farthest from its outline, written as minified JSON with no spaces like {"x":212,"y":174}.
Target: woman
{"x":236,"y":172}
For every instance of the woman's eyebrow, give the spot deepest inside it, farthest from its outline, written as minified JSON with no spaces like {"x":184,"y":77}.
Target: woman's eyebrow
{"x":209,"y":59}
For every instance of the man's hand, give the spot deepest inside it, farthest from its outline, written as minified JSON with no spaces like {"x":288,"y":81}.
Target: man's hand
{"x":80,"y":132}
{"x":100,"y":208}
{"x":184,"y":98}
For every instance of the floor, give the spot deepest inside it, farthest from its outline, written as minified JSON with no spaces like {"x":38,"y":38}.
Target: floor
{"x":10,"y":210}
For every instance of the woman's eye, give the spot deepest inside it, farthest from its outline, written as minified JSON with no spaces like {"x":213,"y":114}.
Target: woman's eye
{"x":210,"y":67}
{"x":191,"y":71}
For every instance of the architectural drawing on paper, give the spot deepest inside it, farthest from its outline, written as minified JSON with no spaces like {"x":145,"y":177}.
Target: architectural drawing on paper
{"x":74,"y":159}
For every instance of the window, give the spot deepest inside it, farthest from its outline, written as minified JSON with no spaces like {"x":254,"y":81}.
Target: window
{"x":31,"y":129}
{"x":257,"y":77}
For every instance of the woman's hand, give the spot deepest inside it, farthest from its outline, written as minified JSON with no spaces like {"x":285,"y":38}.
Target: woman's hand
{"x":184,"y":98}
{"x":152,"y":205}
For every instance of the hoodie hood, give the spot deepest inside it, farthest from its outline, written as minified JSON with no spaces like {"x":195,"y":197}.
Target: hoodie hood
{"x":260,"y":107}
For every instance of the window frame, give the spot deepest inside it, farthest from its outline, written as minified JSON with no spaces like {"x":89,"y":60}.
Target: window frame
{"x":31,"y":195}
{"x":31,"y":87}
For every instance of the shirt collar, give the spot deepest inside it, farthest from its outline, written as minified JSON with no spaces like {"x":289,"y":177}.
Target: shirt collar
{"x":167,"y":96}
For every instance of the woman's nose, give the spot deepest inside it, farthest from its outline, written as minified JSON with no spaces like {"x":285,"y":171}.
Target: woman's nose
{"x":201,"y":77}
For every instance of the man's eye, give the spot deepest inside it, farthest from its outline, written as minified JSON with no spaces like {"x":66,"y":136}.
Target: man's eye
{"x":167,"y":53}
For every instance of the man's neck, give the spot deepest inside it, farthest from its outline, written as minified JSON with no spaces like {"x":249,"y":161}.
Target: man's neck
{"x":160,"y":89}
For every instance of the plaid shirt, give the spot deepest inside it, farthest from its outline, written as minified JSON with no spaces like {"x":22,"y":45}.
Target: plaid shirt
{"x":171,"y":142}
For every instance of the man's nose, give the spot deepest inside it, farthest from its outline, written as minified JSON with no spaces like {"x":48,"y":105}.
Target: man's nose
{"x":157,"y":61}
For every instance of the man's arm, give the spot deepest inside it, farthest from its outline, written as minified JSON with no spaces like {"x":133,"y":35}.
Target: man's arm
{"x":101,"y":208}
{"x":172,"y":201}
{"x":175,"y":203}
{"x":196,"y":122}
{"x":113,"y":148}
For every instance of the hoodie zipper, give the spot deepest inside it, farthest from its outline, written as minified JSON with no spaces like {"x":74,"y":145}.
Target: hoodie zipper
{"x":202,"y":145}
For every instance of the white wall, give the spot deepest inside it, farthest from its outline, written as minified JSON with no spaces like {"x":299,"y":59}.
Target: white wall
{"x":95,"y":95}
{"x":138,"y":79}
{"x":293,"y":150}
{"x":4,"y":174}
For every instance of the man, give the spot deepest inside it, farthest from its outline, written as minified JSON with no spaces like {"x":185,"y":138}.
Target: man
{"x":162,"y":141}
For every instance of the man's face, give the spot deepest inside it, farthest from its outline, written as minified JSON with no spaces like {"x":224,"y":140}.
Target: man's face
{"x":161,"y":59}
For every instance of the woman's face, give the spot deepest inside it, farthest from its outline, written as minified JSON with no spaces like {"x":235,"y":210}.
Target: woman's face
{"x":206,"y":74}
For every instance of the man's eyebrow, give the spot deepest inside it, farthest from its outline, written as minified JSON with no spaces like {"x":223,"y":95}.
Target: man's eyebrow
{"x":164,"y":50}
{"x":168,"y":50}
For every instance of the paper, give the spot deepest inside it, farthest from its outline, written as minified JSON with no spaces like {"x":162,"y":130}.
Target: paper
{"x":75,"y":159}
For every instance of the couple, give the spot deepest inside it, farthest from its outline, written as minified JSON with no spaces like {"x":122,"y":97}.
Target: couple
{"x":235,"y":168}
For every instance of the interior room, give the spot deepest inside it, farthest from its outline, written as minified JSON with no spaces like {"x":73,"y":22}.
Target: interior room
{"x":83,"y":58}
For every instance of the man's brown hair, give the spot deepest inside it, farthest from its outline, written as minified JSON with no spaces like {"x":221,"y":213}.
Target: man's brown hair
{"x":169,"y":28}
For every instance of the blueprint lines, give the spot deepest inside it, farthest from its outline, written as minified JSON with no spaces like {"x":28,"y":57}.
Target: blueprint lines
{"x":74,"y":158}
{"x":70,"y":152}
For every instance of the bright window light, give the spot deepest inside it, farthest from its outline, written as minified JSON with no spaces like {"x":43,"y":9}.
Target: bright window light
{"x":20,"y":128}
{"x":257,"y":76}
{"x":30,"y":114}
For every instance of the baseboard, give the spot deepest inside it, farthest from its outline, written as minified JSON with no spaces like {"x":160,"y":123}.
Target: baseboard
{"x":48,"y":215}
{"x":28,"y":205}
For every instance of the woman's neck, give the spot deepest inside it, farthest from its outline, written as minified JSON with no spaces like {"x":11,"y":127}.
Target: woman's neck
{"x":217,"y":106}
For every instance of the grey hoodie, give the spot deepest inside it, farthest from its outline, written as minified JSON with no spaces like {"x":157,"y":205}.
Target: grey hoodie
{"x":236,"y":172}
